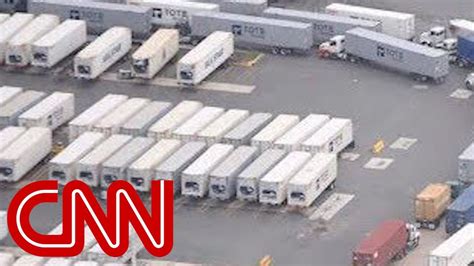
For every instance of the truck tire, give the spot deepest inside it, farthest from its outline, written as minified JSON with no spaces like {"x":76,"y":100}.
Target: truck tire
{"x":332,"y":186}
{"x":469,"y":86}
{"x":285,"y":51}
{"x":275,"y":50}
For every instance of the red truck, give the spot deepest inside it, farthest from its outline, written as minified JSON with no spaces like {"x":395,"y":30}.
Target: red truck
{"x":390,"y":240}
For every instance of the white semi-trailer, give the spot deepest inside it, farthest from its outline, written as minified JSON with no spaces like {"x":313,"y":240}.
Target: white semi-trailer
{"x":7,"y":93}
{"x":333,"y":137}
{"x":139,"y":124}
{"x":243,"y":132}
{"x":279,"y":126}
{"x":214,"y":132}
{"x":456,"y":250}
{"x":189,"y":130}
{"x":9,"y":28}
{"x":10,"y":112}
{"x":10,"y":134}
{"x":59,"y":43}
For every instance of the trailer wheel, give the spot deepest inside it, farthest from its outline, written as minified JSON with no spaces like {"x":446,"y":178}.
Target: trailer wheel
{"x":431,"y":226}
{"x":461,"y":63}
{"x":440,"y":80}
{"x":352,"y":59}
{"x":285,"y":51}
{"x":275,"y":50}
{"x":332,"y":186}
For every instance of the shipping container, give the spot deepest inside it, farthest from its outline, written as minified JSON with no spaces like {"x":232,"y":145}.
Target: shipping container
{"x":10,"y":28}
{"x":115,"y":168}
{"x":465,"y":50}
{"x":248,"y":181}
{"x":13,"y":6}
{"x":155,"y":53}
{"x":6,"y":258}
{"x":243,"y":132}
{"x":59,"y":262}
{"x":102,"y":53}
{"x":7,"y":93}
{"x":142,"y":171}
{"x":333,"y":137}
{"x":111,"y":123}
{"x":206,"y":57}
{"x":87,"y":119}
{"x":59,"y":43}
{"x":397,"y":24}
{"x":466,"y":165}
{"x":89,"y":168}
{"x":175,"y":13}
{"x":461,"y":26}
{"x":3,"y":229}
{"x":63,"y":166}
{"x":19,"y":48}
{"x":222,"y":180}
{"x":195,"y":178}
{"x":282,"y":36}
{"x":214,"y":132}
{"x":172,"y":168}
{"x":273,"y":186}
{"x":24,"y":153}
{"x":244,"y":7}
{"x":318,"y":175}
{"x":325,"y":26}
{"x":456,"y":250}
{"x":139,"y":124}
{"x":461,"y":211}
{"x":30,"y":260}
{"x":172,"y":120}
{"x":291,"y":140}
{"x":99,"y":16}
{"x":9,"y":135}
{"x":408,"y":57}
{"x":52,"y":112}
{"x":10,"y":112}
{"x":189,"y":130}
{"x":430,"y":205}
{"x":279,"y":126}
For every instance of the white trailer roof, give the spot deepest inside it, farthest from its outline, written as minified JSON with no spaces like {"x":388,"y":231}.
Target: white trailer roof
{"x":204,"y":48}
{"x":7,"y":93}
{"x":104,"y":41}
{"x":18,"y":147}
{"x":47,"y":105}
{"x":78,"y":148}
{"x":10,"y":134}
{"x":178,"y":4}
{"x":125,"y":111}
{"x":29,"y":260}
{"x":313,"y":168}
{"x":99,"y":109}
{"x":158,"y":39}
{"x":276,"y":128}
{"x":59,"y":262}
{"x":13,"y":25}
{"x":129,"y":152}
{"x":323,"y":135}
{"x":235,"y":161}
{"x":263,"y":163}
{"x":58,"y":33}
{"x":370,"y":11}
{"x":449,"y":247}
{"x":6,"y":258}
{"x":156,"y":154}
{"x":181,"y":156}
{"x":293,"y":161}
{"x":224,"y":123}
{"x":35,"y":29}
{"x":208,"y":160}
{"x":4,"y":17}
{"x":200,"y":120}
{"x":86,"y":263}
{"x":176,"y":116}
{"x":462,"y":24}
{"x":105,"y":149}
{"x":148,"y":114}
{"x":303,"y":129}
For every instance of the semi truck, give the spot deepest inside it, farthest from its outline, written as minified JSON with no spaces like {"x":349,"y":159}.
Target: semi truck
{"x":10,"y":28}
{"x":243,"y":132}
{"x":430,"y":205}
{"x":279,"y":126}
{"x":456,"y":250}
{"x":188,"y":130}
{"x":214,"y":132}
{"x":10,"y":112}
{"x":333,"y":137}
{"x":391,"y":240}
{"x":461,"y":211}
{"x":206,"y":57}
{"x":10,"y":134}
{"x":7,"y":93}
{"x":139,"y":124}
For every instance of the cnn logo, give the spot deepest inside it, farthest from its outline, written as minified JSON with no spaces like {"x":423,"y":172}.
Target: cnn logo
{"x":80,"y":207}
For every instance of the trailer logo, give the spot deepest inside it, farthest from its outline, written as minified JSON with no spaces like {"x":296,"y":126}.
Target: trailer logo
{"x":324,"y":28}
{"x":157,"y":12}
{"x":253,"y":31}
{"x":111,"y":230}
{"x":89,"y":16}
{"x":214,"y":58}
{"x":388,"y":52}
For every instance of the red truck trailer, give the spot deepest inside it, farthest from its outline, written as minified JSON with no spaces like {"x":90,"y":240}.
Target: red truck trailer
{"x":390,"y":240}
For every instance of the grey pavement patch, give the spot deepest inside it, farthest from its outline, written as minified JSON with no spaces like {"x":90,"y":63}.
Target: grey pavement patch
{"x":331,"y":206}
{"x":420,"y":87}
{"x":403,"y":143}
{"x":349,"y":156}
{"x":376,"y":163}
{"x":461,"y":94}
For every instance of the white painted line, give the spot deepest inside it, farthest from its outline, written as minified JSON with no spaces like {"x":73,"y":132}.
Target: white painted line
{"x":420,"y":87}
{"x":349,"y":156}
{"x":403,"y":143}
{"x":461,"y":94}
{"x":331,"y":206}
{"x":376,"y":163}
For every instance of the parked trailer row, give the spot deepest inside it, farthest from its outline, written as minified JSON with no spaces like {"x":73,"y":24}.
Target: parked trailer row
{"x":99,"y":16}
{"x":456,"y":250}
{"x":9,"y":28}
{"x":139,"y":124}
{"x":59,"y":43}
{"x":214,"y":132}
{"x":4,"y":17}
{"x":325,"y":26}
{"x":9,"y":134}
{"x":281,"y":36}
{"x":188,"y":130}
{"x":333,"y":137}
{"x":24,"y":153}
{"x":10,"y":112}
{"x":7,"y":93}
{"x":242,"y":133}
{"x":279,"y":126}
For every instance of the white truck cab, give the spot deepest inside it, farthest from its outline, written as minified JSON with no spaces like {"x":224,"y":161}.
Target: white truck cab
{"x":470,"y":81}
{"x":333,"y":48}
{"x":413,"y":236}
{"x":433,"y":37}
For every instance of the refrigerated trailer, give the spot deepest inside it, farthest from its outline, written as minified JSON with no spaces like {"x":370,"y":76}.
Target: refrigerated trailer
{"x":102,"y":53}
{"x":9,"y":28}
{"x":206,"y":57}
{"x":6,"y":258}
{"x":8,"y":135}
{"x":10,"y":112}
{"x":461,"y":26}
{"x":59,"y":43}
{"x":87,"y":119}
{"x":142,"y":171}
{"x":222,"y":180}
{"x":30,"y":260}
{"x":7,"y":93}
{"x":155,"y":53}
{"x":273,"y":187}
{"x":291,"y":140}
{"x":333,"y":137}
{"x":19,"y":48}
{"x":397,"y":24}
{"x":214,"y":132}
{"x":195,"y":178}
{"x":89,"y":168}
{"x":63,"y":166}
{"x":139,"y":124}
{"x":25,"y":153}
{"x":325,"y":26}
{"x":3,"y":228}
{"x":112,"y":122}
{"x":99,"y":16}
{"x":189,"y":130}
{"x":282,"y":36}
{"x":175,"y":164}
{"x":318,"y":175}
{"x":4,"y":17}
{"x":244,"y":7}
{"x":456,"y":250}
{"x":95,"y":253}
{"x":59,"y":262}
{"x":52,"y":112}
{"x":243,"y":132}
{"x":279,"y":126}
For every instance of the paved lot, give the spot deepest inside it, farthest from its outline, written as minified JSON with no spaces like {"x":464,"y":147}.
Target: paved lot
{"x":382,"y":105}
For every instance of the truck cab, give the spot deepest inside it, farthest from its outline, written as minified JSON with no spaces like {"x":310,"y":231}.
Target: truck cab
{"x":413,"y":236}
{"x":335,"y":47}
{"x":470,"y":81}
{"x":433,"y":37}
